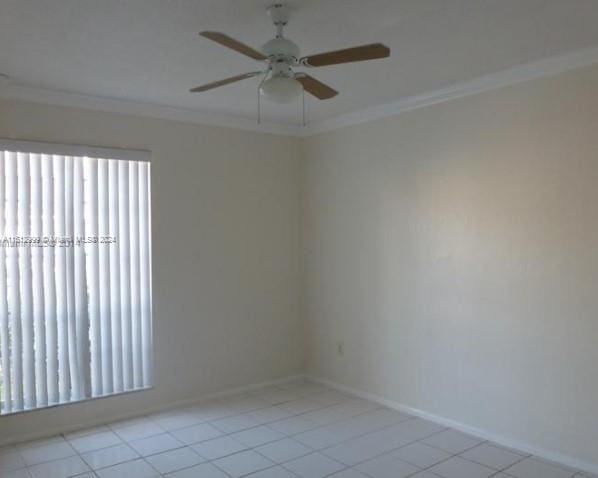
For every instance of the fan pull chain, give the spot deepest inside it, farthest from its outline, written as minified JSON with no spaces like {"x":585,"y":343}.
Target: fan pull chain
{"x":259,"y":111}
{"x":303,"y":104}
{"x":259,"y":103}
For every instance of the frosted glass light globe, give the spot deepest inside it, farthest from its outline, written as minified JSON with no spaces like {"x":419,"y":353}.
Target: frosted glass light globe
{"x":281,"y":89}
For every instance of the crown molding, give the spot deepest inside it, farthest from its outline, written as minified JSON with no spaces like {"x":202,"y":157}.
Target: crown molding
{"x":137,"y":108}
{"x":550,"y":66}
{"x":543,"y":68}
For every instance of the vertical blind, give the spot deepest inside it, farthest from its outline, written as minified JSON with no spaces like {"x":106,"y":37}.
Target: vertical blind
{"x":75,"y":277}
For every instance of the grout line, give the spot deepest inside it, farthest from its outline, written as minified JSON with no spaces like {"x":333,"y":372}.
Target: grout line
{"x":320,"y":451}
{"x":537,"y":454}
{"x":151,"y":410}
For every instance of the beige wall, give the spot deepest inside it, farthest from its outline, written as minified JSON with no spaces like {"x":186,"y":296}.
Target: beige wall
{"x":454,"y":251}
{"x":225,"y":255}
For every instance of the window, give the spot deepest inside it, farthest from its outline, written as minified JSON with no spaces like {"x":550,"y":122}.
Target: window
{"x":75,"y":274}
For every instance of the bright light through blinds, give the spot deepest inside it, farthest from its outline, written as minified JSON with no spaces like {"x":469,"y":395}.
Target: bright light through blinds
{"x":75,"y":274}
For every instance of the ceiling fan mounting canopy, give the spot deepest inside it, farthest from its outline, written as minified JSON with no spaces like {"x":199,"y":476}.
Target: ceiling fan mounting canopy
{"x":279,"y":13}
{"x":280,"y":55}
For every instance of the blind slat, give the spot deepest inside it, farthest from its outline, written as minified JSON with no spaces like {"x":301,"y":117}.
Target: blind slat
{"x":91,"y":251}
{"x":64,"y":378}
{"x":13,"y":276}
{"x":12,"y":266}
{"x":134,"y":256}
{"x":23,"y":229}
{"x":144,"y":278}
{"x":37,"y":271}
{"x":74,"y":372}
{"x":104,"y":277}
{"x":125,"y":298}
{"x":113,"y":229}
{"x":49,"y":281}
{"x":80,"y":281}
{"x":6,"y":396}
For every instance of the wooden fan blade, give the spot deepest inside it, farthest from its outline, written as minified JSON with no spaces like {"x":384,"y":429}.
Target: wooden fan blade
{"x":348,"y":55}
{"x":226,"y":81}
{"x":233,"y":44}
{"x":316,"y":87}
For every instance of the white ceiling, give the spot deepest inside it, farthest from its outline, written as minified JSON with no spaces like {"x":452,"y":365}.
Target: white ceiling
{"x":149,"y":51}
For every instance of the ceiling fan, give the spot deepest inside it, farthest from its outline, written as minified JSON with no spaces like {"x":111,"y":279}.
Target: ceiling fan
{"x":280,"y":83}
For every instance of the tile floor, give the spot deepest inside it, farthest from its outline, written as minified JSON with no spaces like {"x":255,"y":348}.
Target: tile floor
{"x":298,"y":429}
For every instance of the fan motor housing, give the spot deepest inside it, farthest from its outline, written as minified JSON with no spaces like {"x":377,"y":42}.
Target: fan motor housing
{"x":281,"y":48}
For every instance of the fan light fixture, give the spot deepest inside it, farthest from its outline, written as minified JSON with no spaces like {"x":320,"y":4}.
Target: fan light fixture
{"x":281,"y":89}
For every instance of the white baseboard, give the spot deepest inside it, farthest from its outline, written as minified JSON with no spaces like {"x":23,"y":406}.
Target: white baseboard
{"x":48,"y":432}
{"x":508,"y":442}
